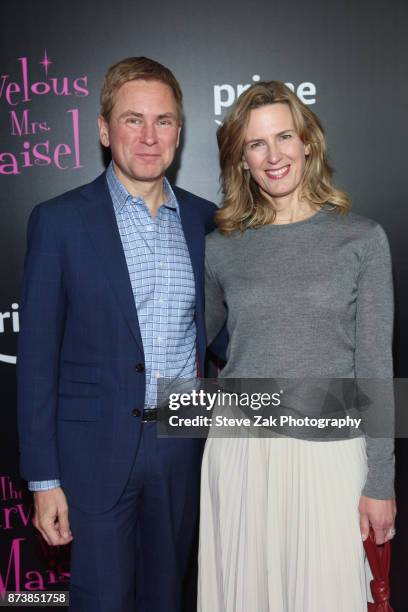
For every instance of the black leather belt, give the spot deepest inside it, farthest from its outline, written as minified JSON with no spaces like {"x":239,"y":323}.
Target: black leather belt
{"x":149,"y":414}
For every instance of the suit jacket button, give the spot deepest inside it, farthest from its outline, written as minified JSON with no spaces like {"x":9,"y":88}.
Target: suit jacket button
{"x":136,"y":412}
{"x":139,"y":367}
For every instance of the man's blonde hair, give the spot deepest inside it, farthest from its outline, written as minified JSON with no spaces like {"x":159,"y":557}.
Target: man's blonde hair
{"x":133,"y":69}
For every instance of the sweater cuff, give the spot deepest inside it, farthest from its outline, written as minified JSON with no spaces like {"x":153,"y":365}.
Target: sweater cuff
{"x":380,"y":482}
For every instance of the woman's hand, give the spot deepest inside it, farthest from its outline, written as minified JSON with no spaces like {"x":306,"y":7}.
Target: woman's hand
{"x":380,"y":514}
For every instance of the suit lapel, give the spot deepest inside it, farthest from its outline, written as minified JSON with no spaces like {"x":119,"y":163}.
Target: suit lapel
{"x":194,"y":235}
{"x":100,"y":221}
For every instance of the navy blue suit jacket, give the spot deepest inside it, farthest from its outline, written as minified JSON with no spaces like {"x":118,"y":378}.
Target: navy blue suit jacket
{"x":80,"y":343}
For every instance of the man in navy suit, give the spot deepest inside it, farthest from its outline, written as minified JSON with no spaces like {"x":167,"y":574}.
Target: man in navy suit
{"x":113,"y":301}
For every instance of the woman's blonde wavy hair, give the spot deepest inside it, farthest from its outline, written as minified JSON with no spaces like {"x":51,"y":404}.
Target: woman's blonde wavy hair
{"x":244,"y":204}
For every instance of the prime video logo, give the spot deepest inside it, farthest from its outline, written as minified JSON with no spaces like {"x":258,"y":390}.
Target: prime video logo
{"x":225,"y":95}
{"x":9,"y":322}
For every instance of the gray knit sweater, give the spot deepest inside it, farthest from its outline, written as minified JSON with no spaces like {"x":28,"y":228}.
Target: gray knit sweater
{"x":308,"y":299}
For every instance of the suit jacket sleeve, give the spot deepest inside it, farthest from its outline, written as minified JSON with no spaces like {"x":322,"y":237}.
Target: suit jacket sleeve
{"x":43,"y":306}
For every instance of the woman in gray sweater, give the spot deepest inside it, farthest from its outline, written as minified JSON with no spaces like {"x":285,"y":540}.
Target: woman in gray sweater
{"x":305,"y":288}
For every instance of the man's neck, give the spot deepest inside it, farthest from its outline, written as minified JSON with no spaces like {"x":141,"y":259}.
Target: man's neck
{"x":152,"y":192}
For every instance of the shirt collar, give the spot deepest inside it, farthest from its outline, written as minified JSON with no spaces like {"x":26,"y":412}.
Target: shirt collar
{"x":120,"y":195}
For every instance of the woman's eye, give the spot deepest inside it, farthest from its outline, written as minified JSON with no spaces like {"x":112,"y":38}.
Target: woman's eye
{"x":256,"y":145}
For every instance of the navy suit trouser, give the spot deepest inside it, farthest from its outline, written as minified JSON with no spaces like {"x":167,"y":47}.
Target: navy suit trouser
{"x":141,"y":555}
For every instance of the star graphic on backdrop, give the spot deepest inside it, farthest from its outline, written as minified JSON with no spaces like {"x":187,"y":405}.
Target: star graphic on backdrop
{"x":46,"y":62}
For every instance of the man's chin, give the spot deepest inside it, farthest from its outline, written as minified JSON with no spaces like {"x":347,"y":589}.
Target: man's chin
{"x":139,"y":175}
{"x":148,"y":174}
{"x":148,"y":178}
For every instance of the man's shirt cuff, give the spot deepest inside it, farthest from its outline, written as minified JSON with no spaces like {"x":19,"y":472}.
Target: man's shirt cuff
{"x":43,"y":485}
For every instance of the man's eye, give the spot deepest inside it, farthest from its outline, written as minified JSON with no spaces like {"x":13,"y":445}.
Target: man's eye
{"x":165,"y":122}
{"x":133,"y":121}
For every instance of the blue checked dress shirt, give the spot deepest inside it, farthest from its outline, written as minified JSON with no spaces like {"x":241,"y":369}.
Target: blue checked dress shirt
{"x":162,"y":280}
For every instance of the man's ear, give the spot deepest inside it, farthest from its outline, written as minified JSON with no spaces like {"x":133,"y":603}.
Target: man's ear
{"x":178,"y":135}
{"x":103,"y":131}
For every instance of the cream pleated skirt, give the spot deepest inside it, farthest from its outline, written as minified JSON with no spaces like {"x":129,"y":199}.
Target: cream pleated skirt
{"x":279,"y":528}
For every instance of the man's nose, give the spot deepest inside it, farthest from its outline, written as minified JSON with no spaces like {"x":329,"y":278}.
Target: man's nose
{"x":149,"y":135}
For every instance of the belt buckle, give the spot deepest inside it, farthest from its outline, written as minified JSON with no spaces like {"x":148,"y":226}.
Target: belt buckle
{"x":149,"y":414}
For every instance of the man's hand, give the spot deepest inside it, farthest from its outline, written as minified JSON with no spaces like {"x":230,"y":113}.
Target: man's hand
{"x":380,"y":514}
{"x":51,"y":516}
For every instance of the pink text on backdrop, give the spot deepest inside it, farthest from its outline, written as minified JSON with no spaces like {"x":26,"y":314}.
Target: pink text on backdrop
{"x":26,"y":130}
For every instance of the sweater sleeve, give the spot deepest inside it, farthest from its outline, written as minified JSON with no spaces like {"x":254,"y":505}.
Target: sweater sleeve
{"x":215,"y":307}
{"x":373,"y":356}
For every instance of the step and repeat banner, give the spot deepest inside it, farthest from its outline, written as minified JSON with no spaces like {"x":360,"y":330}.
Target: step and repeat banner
{"x":348,"y":61}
